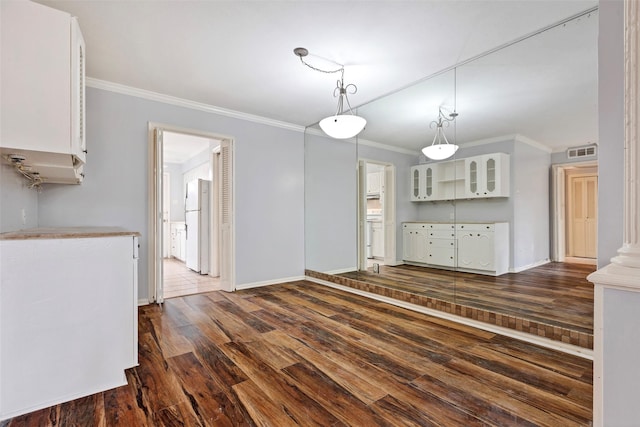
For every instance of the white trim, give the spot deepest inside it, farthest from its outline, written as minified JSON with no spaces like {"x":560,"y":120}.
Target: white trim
{"x":143,"y":301}
{"x":511,"y":333}
{"x":181,"y":102}
{"x":341,"y":271}
{"x":362,"y":141}
{"x":269,"y":282}
{"x":401,"y":150}
{"x":529,"y":266}
{"x":507,"y":138}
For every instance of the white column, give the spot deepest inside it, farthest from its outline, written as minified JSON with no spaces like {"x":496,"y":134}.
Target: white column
{"x":617,"y":286}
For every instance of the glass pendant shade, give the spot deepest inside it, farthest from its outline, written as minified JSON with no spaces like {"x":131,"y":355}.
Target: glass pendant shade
{"x":342,"y":126}
{"x":440,"y":147}
{"x":440,"y":151}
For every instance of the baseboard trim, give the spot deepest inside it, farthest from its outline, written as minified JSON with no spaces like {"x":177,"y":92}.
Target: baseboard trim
{"x":269,"y":282}
{"x":529,"y":266}
{"x":511,"y":333}
{"x":342,"y":270}
{"x":143,"y":301}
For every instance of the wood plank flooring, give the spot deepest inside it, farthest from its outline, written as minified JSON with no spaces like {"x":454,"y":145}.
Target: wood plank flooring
{"x":304,"y":354}
{"x":557,"y":294}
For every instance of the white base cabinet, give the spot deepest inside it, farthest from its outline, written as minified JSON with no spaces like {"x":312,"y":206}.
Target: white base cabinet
{"x":178,"y":240}
{"x":68,"y":318}
{"x":478,"y":248}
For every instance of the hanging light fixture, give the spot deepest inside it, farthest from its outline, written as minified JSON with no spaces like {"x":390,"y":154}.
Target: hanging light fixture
{"x":439,"y":150}
{"x":341,"y":125}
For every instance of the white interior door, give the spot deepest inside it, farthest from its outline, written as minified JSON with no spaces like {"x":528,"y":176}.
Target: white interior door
{"x":214,"y":262}
{"x":583,"y":195}
{"x":389,"y":214}
{"x":158,"y":216}
{"x":362,"y":215}
{"x":225,"y":182}
{"x":166,"y":214}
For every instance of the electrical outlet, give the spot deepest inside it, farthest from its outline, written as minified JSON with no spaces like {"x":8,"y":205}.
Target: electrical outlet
{"x":24,"y":216}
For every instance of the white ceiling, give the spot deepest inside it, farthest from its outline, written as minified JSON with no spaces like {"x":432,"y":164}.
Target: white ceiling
{"x":180,"y":147}
{"x":238,"y":54}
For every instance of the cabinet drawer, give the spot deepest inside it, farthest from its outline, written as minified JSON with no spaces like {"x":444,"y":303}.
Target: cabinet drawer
{"x":441,"y":234}
{"x":441,"y":226}
{"x":414,"y":226}
{"x":441,"y":243}
{"x":475,"y":227}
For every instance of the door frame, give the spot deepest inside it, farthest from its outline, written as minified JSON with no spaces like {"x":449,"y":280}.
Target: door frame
{"x":388,"y":211}
{"x":570,"y":210}
{"x":155,"y":233}
{"x":558,"y":206}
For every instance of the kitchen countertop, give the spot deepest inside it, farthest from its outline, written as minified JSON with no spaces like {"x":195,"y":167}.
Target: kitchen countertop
{"x":453,"y":222}
{"x":66,"y":233}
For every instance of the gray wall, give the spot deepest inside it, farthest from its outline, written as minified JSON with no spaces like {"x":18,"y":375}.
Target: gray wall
{"x":15,"y":196}
{"x":530,"y":193}
{"x":610,"y":129}
{"x":268,"y":183}
{"x":621,"y":344}
{"x":330,"y":204}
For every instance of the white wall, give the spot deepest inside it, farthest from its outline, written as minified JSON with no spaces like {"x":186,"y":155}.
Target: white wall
{"x":268,"y":179}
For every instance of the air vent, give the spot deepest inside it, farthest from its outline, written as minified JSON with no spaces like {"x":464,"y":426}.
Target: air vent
{"x":586,"y":151}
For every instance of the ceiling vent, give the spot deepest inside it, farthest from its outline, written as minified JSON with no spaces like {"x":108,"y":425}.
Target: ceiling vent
{"x":585,"y":151}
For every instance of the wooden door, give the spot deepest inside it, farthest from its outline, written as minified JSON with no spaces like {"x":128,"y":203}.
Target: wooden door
{"x":583,"y":216}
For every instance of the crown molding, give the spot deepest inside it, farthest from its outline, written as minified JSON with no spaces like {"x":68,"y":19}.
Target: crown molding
{"x":512,"y":137}
{"x":180,"y":102}
{"x":361,"y":141}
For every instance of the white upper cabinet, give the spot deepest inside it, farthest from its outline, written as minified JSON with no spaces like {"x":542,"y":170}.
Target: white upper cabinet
{"x":474,"y":177}
{"x":424,"y":182}
{"x":487,"y":176}
{"x":43,"y":95}
{"x":374,"y":183}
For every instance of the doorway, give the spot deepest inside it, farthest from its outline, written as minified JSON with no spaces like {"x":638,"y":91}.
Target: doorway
{"x":189,"y":171}
{"x":376,"y":215}
{"x":575,"y":212}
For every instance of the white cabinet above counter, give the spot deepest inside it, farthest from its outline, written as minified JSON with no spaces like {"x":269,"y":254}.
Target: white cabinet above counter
{"x":474,"y":247}
{"x":482,"y":176}
{"x":43,"y":92}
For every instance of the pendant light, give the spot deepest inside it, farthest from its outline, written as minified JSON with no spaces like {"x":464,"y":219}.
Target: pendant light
{"x":439,"y":150}
{"x":341,"y":125}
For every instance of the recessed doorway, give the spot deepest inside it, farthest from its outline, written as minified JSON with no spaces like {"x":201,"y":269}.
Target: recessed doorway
{"x":376,"y":211}
{"x":192,"y":200}
{"x":575,"y":212}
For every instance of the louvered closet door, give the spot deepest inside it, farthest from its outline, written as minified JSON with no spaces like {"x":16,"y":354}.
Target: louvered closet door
{"x":226,"y":215}
{"x":583,"y":216}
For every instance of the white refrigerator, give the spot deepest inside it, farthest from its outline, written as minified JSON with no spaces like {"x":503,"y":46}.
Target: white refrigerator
{"x":197,"y":217}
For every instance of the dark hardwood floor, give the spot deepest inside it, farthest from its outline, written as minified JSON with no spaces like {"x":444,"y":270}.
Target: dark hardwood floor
{"x":305,"y":354}
{"x":556,"y":293}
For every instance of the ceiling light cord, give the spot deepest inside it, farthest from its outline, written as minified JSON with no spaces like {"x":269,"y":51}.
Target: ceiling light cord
{"x":341,"y":91}
{"x":340,"y":125}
